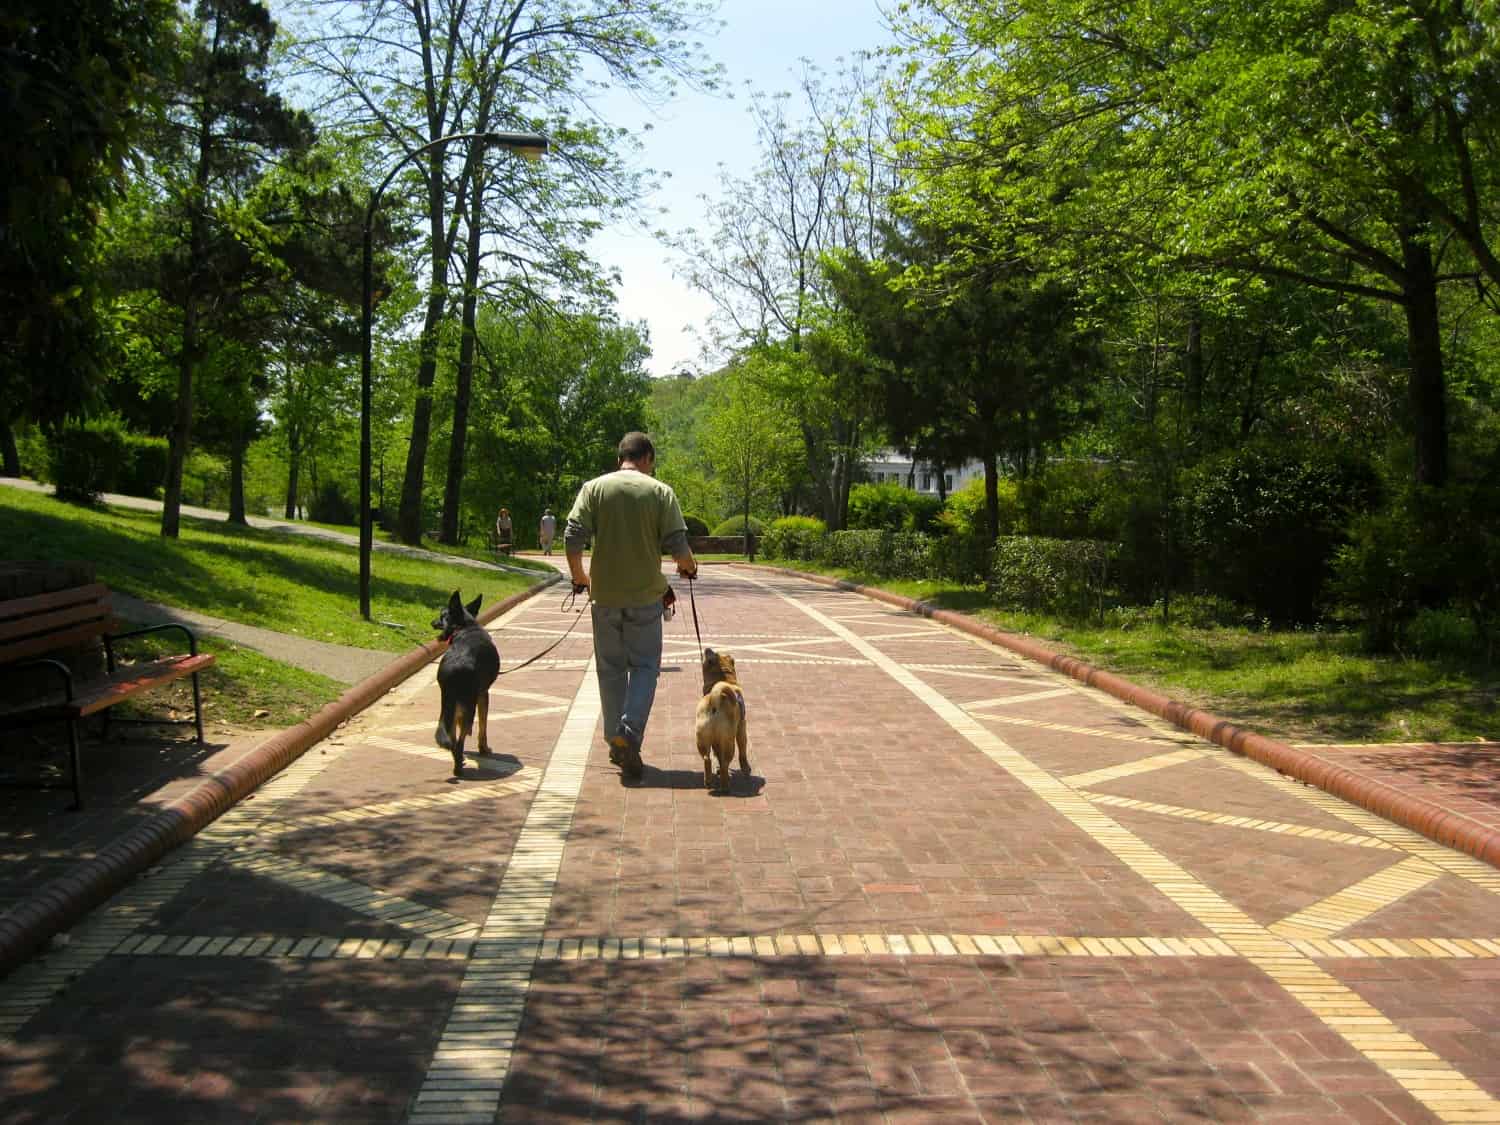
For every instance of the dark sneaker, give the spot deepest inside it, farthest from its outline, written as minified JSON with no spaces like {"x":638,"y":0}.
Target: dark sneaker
{"x":623,"y":753}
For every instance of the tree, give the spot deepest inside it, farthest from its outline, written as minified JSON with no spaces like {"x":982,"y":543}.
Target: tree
{"x":750,"y":442}
{"x":77,"y":82}
{"x":1326,"y":145}
{"x":820,"y":187}
{"x":222,"y":123}
{"x":406,"y":73}
{"x":994,"y":365}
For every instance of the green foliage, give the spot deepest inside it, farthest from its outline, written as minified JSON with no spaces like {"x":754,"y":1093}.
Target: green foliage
{"x":1263,"y":523}
{"x":101,"y":455}
{"x":1069,"y":500}
{"x":798,"y":538}
{"x":1066,"y":577}
{"x":84,"y":461}
{"x":695,"y":524}
{"x":330,"y":505}
{"x":735,"y":525}
{"x":889,"y":505}
{"x":881,"y":554}
{"x":963,"y":514}
{"x":145,"y":466}
{"x":1428,"y":552}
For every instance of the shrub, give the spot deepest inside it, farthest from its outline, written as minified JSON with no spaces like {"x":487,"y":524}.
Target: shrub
{"x":144,"y":472}
{"x":1430,"y":550}
{"x":1066,"y":577}
{"x":84,"y":461}
{"x":882,"y":554}
{"x":1069,"y":500}
{"x":735,"y":525}
{"x":890,"y":506}
{"x":330,"y":505}
{"x":799,"y":538}
{"x":695,"y":525}
{"x":1263,"y":523}
{"x":960,"y":558}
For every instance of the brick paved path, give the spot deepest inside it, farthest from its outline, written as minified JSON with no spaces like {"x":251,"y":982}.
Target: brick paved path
{"x":954,"y":888}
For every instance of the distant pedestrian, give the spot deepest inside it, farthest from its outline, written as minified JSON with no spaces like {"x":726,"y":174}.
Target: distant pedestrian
{"x":547,"y":531}
{"x":631,"y":518}
{"x":503,"y":531}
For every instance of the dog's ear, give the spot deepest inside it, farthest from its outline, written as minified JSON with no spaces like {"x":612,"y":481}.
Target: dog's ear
{"x":473,"y":607}
{"x":710,"y":657}
{"x":455,"y":605}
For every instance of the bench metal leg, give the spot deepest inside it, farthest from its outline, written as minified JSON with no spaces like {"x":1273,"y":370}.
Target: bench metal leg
{"x":197,"y":709}
{"x":73,"y":761}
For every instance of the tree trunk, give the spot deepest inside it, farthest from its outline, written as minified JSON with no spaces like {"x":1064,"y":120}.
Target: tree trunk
{"x":10,"y":457}
{"x":409,"y":517}
{"x":992,"y":494}
{"x":237,"y":481}
{"x":1193,"y":361}
{"x":182,"y":423}
{"x":293,"y":470}
{"x":458,"y":443}
{"x":1426,"y":386}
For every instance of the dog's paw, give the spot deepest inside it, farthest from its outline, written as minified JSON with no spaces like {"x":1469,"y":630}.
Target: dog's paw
{"x":485,"y":752}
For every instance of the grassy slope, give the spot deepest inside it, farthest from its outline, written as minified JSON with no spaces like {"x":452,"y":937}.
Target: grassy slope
{"x":305,"y":587}
{"x":1305,"y":686}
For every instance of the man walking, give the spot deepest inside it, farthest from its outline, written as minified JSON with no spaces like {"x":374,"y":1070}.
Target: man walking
{"x":631,"y":518}
{"x":547,"y":530}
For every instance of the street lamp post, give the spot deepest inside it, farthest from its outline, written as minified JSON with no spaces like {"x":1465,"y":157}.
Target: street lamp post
{"x":532,"y":146}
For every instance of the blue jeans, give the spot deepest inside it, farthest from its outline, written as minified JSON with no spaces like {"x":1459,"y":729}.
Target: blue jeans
{"x":627,"y":656}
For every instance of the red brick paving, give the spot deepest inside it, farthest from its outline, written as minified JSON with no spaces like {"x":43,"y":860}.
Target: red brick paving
{"x":865,"y":814}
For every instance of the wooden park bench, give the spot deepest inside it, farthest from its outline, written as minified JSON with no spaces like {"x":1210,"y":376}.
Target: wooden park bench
{"x":75,"y":619}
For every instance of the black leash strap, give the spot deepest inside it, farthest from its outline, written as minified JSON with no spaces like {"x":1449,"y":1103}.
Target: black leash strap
{"x":694,"y":603}
{"x":568,"y":602}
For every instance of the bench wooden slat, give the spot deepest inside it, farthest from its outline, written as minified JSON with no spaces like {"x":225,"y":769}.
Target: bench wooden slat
{"x":37,"y":603}
{"x":20,"y":628}
{"x":50,"y":642}
{"x":129,"y":681}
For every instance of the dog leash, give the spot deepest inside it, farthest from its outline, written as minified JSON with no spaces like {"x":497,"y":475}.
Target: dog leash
{"x":692,"y":601}
{"x":569,"y":601}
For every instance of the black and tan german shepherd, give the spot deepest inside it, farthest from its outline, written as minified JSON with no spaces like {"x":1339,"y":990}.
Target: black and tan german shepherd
{"x":464,"y":677}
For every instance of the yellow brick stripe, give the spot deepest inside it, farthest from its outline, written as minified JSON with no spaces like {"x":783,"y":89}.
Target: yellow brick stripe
{"x":1095,"y":732}
{"x":1413,"y":843}
{"x":1358,"y":901}
{"x":1445,"y":1091}
{"x":1254,"y":824}
{"x":658,"y":947}
{"x":353,"y":895}
{"x":35,"y":984}
{"x":1011,"y":700}
{"x":473,"y":1054}
{"x":522,"y":780}
{"x":1131,"y":769}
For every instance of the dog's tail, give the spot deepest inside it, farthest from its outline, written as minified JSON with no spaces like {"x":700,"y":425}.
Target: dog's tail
{"x":453,"y":724}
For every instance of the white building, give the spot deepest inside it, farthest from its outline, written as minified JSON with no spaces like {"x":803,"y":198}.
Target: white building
{"x":891,"y":465}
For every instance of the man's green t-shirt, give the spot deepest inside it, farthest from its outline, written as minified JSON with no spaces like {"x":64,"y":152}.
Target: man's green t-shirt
{"x":628,"y":515}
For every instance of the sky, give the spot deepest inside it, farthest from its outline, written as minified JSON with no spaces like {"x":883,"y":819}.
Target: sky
{"x":702,"y":138}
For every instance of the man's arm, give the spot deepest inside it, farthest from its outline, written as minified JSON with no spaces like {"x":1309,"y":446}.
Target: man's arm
{"x":676,"y":544}
{"x":575,"y":539}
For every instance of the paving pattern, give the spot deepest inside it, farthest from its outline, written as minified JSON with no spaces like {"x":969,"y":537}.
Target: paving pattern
{"x":955,"y":887}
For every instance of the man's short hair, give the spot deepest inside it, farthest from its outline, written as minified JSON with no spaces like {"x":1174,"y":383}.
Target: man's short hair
{"x":635,"y":446}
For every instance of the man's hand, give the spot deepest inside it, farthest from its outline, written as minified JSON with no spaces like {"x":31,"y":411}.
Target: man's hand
{"x":688,"y":568}
{"x":580,"y":583}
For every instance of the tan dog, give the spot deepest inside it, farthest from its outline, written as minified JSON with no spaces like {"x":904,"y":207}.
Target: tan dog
{"x":721,"y":718}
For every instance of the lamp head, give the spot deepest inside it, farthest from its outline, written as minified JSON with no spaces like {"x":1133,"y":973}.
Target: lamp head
{"x":529,"y":146}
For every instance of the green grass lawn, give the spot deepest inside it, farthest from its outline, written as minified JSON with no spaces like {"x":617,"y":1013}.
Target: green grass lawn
{"x":1308,"y":686}
{"x":242,"y":689}
{"x":306,"y":587}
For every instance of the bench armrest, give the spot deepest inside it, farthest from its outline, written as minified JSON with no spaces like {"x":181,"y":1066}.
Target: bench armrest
{"x":57,"y":666}
{"x":110,"y":638}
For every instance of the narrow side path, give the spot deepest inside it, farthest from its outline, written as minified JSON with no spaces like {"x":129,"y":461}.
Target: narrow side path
{"x":344,"y":663}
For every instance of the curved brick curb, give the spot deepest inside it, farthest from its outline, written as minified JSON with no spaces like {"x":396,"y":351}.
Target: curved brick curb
{"x":58,"y":904}
{"x":1445,"y":826}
